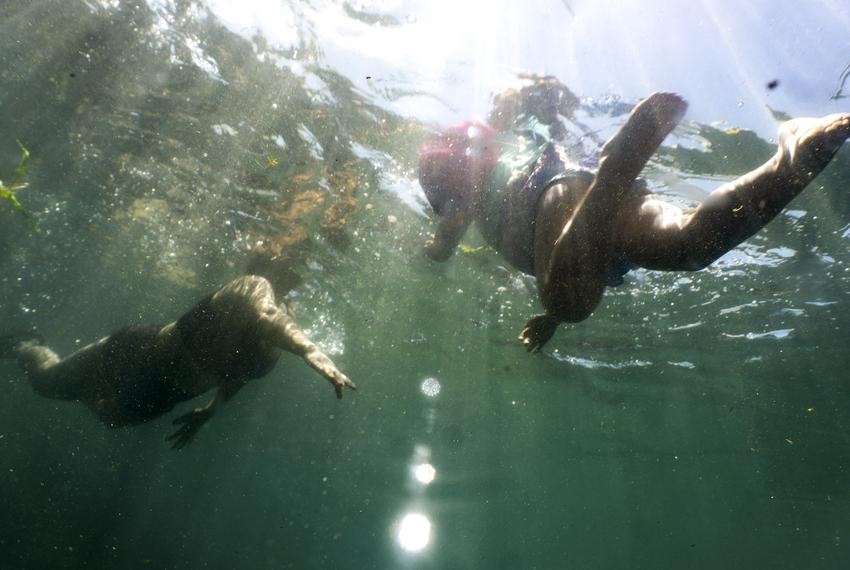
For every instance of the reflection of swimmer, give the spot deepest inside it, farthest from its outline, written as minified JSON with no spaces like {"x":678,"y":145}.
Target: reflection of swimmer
{"x":542,"y":105}
{"x":140,"y":373}
{"x":578,"y":231}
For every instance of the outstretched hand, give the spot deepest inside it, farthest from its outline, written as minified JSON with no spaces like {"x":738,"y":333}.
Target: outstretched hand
{"x":339,"y":381}
{"x":189,"y":424}
{"x":282,"y":331}
{"x":537,"y":332}
{"x":435,"y":252}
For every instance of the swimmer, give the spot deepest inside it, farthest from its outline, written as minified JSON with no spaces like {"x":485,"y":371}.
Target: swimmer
{"x":579,"y":231}
{"x":142,"y":372}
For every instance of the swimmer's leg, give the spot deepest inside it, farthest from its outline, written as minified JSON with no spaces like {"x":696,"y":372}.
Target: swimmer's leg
{"x":9,"y":343}
{"x":42,"y":366}
{"x":661,"y":237}
{"x":572,"y":270}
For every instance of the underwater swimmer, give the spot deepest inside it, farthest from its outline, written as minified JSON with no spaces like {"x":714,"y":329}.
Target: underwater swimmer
{"x":579,"y":231}
{"x":140,"y":373}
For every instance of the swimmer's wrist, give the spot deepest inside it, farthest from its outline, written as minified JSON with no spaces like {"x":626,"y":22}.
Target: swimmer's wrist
{"x":437,"y":249}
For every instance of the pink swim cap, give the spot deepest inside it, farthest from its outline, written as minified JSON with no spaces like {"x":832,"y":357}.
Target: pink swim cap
{"x":456,"y":162}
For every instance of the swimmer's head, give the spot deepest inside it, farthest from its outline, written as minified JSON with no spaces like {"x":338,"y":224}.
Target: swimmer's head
{"x":540,"y":95}
{"x":455,"y":162}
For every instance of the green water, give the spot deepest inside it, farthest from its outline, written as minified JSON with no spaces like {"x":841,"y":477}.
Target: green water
{"x":695,"y":421}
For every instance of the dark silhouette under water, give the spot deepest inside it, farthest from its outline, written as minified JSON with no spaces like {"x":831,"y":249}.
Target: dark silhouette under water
{"x":142,"y":372}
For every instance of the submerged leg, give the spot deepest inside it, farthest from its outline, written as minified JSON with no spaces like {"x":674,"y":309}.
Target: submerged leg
{"x":661,"y":237}
{"x":572,"y":270}
{"x":624,"y":155}
{"x":41,"y":365}
{"x":9,"y":343}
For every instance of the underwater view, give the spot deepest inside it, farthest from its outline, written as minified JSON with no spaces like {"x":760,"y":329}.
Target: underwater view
{"x":595,"y":361}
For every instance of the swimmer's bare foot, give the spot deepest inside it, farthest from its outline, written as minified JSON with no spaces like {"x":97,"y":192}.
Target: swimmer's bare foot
{"x":537,"y":332}
{"x":648,"y":124}
{"x":12,"y":344}
{"x":807,"y":145}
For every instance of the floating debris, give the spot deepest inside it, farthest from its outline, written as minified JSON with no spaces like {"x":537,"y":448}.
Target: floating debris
{"x":9,"y":192}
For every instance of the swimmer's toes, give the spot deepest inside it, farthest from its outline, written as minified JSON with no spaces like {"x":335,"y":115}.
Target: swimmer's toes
{"x":11,"y":343}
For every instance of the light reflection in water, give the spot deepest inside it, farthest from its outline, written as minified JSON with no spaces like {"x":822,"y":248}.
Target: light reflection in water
{"x":424,"y":473}
{"x":430,"y":387}
{"x":414,"y":532}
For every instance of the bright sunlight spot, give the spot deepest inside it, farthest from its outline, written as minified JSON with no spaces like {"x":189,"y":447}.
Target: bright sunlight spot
{"x":414,"y":532}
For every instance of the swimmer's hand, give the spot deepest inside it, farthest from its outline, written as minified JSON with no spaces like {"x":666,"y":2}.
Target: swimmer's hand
{"x":436,"y":252}
{"x":324,"y":366}
{"x":537,"y":332}
{"x":340,"y":381}
{"x":284,"y":333}
{"x":189,"y":425}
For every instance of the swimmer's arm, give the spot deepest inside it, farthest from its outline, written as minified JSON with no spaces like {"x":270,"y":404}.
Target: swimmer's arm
{"x":285,"y":334}
{"x":192,"y":421}
{"x":449,"y":232}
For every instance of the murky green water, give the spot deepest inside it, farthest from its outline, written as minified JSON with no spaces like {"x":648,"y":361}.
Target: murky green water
{"x":696,"y":420}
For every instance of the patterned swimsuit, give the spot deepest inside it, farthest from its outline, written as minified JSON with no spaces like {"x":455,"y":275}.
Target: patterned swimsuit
{"x":515,"y":170}
{"x":529,"y":164}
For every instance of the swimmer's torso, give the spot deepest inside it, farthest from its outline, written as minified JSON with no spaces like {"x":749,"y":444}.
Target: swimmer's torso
{"x":144,"y":371}
{"x":528,"y":164}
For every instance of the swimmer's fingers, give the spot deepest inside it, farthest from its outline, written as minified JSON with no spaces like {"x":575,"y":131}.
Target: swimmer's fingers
{"x":340,"y":382}
{"x":537,"y":332}
{"x":189,"y":424}
{"x":180,"y":438}
{"x":325,"y":366}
